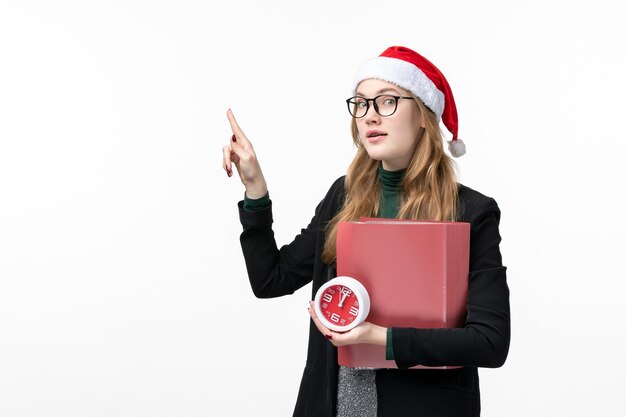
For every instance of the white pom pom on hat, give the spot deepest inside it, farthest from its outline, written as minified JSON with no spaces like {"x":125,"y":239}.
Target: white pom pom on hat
{"x":456,"y":147}
{"x":409,"y":70}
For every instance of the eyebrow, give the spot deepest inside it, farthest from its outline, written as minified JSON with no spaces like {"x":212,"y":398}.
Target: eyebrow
{"x":384,"y":90}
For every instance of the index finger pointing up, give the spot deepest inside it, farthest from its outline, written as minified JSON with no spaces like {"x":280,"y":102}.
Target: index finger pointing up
{"x":241,"y":137}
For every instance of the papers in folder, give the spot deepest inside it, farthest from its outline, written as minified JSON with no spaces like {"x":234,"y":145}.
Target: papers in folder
{"x":416,"y":273}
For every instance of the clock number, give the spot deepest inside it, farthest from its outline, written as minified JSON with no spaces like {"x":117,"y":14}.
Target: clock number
{"x":335,"y":317}
{"x":354,"y":311}
{"x":327,"y":297}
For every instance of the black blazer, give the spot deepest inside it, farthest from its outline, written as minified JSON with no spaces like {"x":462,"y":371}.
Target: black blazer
{"x":482,"y":342}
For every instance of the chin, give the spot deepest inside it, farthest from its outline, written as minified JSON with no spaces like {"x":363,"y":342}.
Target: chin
{"x":377,"y":154}
{"x":375,"y":157}
{"x":374,"y":153}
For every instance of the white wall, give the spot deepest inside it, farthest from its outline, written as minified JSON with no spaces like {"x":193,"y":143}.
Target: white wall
{"x":123,"y":290}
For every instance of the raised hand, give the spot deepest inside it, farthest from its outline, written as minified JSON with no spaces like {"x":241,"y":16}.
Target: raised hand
{"x":241,"y":153}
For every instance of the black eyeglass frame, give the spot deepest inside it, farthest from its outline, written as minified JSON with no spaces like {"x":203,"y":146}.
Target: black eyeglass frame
{"x":373,"y":100}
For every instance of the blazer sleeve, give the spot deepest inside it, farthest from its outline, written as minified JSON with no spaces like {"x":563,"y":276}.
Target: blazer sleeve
{"x":275,"y":272}
{"x":484,"y":340}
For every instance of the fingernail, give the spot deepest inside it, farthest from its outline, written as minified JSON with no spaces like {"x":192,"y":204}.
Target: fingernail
{"x":229,"y":172}
{"x":234,"y":139}
{"x":329,"y":336}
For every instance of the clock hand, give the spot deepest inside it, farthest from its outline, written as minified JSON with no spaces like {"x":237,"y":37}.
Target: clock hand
{"x":343,"y":297}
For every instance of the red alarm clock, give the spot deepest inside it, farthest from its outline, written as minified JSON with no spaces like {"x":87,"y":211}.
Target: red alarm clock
{"x":342,"y":304}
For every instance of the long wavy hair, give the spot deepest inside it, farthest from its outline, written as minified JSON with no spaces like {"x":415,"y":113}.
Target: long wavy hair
{"x":429,"y":188}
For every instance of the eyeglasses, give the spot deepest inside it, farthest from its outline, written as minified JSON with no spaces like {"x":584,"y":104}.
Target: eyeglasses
{"x":385,"y":105}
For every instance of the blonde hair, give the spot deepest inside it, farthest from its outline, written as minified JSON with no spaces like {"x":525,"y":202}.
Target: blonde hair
{"x":429,"y":187}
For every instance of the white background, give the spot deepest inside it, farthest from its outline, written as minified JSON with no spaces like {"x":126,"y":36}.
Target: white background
{"x":123,"y":290}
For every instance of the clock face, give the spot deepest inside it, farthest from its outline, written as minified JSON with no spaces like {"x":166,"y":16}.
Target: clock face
{"x":339,"y":305}
{"x":342,"y":304}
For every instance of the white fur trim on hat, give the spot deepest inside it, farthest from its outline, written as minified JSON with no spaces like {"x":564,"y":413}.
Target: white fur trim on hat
{"x":404,"y":75}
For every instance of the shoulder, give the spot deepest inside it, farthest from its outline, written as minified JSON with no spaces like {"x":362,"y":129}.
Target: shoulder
{"x":333,"y":200}
{"x":473,"y":204}
{"x":336,"y":190}
{"x":336,"y":193}
{"x":338,"y":187}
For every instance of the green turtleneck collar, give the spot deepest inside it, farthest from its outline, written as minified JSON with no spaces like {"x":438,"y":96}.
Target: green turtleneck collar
{"x":391,"y":187}
{"x":391,"y":180}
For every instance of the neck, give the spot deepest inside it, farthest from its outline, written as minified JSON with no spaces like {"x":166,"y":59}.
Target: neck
{"x":391,"y":180}
{"x":394,"y":165}
{"x":391,"y":191}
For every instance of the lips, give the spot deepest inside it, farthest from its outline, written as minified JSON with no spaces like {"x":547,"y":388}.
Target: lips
{"x":374,"y":133}
{"x":375,"y":136}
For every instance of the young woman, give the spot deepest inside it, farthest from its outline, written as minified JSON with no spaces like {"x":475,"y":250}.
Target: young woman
{"x":400,"y":171}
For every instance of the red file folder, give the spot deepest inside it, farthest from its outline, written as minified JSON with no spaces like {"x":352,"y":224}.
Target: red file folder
{"x":416,"y":274}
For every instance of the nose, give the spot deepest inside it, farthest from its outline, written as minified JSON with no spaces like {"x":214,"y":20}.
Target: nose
{"x":372,"y":116}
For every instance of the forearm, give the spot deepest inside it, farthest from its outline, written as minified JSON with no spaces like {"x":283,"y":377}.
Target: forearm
{"x":259,"y":249}
{"x":483,"y":341}
{"x":377,"y":336}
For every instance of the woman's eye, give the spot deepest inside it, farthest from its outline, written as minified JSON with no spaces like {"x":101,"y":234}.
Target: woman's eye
{"x":361,"y":103}
{"x":389,"y":101}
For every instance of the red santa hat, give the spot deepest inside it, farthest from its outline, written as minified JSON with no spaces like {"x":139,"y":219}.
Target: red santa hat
{"x":409,"y":70}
